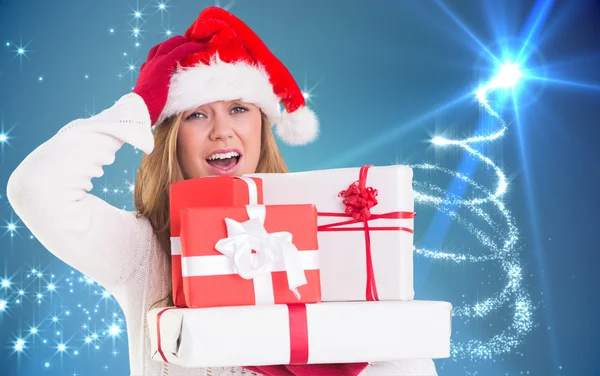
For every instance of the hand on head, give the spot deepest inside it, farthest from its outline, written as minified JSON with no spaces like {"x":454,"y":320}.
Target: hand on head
{"x":155,"y":74}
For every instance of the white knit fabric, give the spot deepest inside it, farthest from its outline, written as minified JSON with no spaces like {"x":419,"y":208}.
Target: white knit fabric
{"x":49,"y":192}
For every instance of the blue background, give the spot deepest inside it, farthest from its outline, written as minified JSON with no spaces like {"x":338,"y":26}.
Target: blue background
{"x":385,"y":78}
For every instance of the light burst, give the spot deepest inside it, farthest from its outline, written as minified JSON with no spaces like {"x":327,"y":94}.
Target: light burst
{"x":162,"y":7}
{"x":227,"y":6}
{"x":19,"y":345}
{"x":498,"y":240}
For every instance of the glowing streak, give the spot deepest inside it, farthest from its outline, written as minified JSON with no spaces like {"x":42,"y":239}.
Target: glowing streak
{"x":498,"y":239}
{"x":465,"y":29}
{"x":579,"y":85}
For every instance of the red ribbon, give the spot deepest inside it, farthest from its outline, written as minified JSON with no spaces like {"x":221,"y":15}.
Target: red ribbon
{"x":158,"y":340}
{"x":359,"y":199}
{"x":298,"y":333}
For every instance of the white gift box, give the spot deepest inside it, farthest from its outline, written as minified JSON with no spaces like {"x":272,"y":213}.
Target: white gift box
{"x":343,"y":253}
{"x":335,"y":332}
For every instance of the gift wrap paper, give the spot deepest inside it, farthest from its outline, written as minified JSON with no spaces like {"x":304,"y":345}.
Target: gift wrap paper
{"x":343,"y":265}
{"x":337,"y":332}
{"x":210,"y":278}
{"x":199,"y":192}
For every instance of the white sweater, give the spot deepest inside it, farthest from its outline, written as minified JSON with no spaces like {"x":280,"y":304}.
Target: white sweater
{"x":49,"y":192}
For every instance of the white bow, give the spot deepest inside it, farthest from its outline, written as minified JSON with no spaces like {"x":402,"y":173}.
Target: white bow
{"x":269,"y":249}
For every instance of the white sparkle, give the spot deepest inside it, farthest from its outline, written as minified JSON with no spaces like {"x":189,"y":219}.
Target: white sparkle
{"x":5,"y":283}
{"x":2,"y":305}
{"x":3,"y":138}
{"x":19,"y":345}
{"x":114,"y":330}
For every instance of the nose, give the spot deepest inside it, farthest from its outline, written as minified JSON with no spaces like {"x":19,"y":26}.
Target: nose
{"x":222,"y":128}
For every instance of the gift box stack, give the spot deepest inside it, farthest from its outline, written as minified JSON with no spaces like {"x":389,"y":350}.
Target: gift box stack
{"x":296,"y":269}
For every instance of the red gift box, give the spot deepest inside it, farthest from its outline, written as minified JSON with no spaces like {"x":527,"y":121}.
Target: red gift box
{"x":203,"y":192}
{"x":250,"y":255}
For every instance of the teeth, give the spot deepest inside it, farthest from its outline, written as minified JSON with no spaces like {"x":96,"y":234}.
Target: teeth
{"x":231,"y":154}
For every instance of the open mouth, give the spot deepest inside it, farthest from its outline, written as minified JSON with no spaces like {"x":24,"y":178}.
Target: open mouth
{"x":223,"y":163}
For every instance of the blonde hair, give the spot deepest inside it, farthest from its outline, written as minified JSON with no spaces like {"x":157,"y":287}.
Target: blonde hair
{"x":161,"y":168}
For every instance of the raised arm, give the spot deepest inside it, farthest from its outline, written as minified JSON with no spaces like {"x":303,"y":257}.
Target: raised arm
{"x":49,"y":192}
{"x":49,"y":189}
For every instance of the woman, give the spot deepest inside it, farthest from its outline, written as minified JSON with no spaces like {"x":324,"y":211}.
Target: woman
{"x":210,"y":97}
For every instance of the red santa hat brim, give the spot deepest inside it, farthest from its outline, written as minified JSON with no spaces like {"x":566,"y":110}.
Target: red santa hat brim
{"x":194,"y":86}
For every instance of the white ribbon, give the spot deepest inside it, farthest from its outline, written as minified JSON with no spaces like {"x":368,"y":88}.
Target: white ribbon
{"x":269,"y":249}
{"x":252,"y":200}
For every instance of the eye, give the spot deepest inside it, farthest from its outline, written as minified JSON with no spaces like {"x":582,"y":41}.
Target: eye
{"x":195,"y":115}
{"x":239,"y":110}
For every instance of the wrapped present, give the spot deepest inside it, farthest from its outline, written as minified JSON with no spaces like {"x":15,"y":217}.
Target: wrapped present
{"x":323,"y":333}
{"x":366,"y":218}
{"x":250,"y":255}
{"x":199,"y":192}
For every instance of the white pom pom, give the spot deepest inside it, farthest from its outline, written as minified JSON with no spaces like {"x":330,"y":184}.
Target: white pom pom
{"x":299,"y":127}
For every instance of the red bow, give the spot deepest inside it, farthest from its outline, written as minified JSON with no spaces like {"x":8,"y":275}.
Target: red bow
{"x":358,"y":198}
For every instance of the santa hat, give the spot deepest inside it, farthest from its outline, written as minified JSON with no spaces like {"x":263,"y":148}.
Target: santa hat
{"x":236,"y":64}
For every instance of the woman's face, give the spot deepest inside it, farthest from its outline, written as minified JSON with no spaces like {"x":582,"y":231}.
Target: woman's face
{"x":220,"y":138}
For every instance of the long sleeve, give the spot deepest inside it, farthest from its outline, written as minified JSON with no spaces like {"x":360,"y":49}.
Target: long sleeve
{"x":49,"y":192}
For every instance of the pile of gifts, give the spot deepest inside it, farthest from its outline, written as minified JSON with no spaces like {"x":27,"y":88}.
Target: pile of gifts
{"x":296,"y":268}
